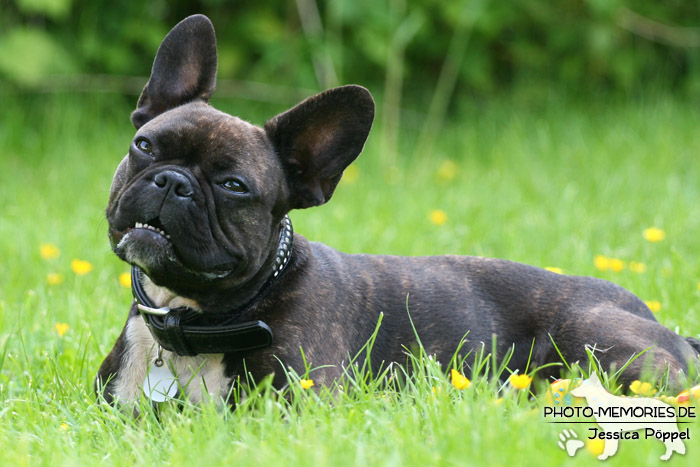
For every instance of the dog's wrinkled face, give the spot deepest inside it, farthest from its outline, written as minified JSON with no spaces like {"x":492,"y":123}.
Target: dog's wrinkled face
{"x":197,"y":202}
{"x":192,"y":193}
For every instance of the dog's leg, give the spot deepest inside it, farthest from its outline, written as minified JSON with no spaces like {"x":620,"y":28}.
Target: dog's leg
{"x":111,"y":368}
{"x":615,"y":336}
{"x":123,"y":372}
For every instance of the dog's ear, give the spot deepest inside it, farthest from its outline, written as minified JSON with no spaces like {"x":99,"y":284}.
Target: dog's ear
{"x":318,"y":138}
{"x":184,"y":69}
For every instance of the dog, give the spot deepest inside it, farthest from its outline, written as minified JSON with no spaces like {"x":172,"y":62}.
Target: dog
{"x":224,"y":289}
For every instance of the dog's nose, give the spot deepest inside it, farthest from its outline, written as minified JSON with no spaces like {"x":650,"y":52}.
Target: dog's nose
{"x":175,"y":181}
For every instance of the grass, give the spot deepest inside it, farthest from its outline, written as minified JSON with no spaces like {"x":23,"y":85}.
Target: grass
{"x":553,"y":182}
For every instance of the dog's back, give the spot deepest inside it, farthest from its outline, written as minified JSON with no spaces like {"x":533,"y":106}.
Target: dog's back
{"x":448,"y":299}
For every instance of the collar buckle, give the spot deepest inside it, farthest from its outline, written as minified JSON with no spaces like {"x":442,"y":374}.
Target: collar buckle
{"x":153,"y":311}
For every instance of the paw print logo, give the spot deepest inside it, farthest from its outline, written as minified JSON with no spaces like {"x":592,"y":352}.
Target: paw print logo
{"x":568,"y":441}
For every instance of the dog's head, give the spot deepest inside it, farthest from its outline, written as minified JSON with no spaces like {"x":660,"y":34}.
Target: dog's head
{"x":198,"y":200}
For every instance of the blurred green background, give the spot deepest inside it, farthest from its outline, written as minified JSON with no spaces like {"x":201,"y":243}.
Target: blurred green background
{"x":546,"y":132}
{"x":411,"y":49}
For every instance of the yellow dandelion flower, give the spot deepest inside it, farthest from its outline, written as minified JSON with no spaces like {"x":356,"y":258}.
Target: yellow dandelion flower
{"x":350,"y":175}
{"x":61,"y":329}
{"x":595,"y":446}
{"x":125,"y":279}
{"x":49,"y":251}
{"x":64,"y":427}
{"x":654,"y":305}
{"x":639,"y":268}
{"x":306,"y":383}
{"x":643,"y":389}
{"x":438,"y":216}
{"x":520,"y":381}
{"x":555,"y":269}
{"x":601,"y":262}
{"x":53,"y":278}
{"x":616,"y":265}
{"x":654,"y":234}
{"x":447,"y":171}
{"x":498,"y":401}
{"x":80,"y":266}
{"x":459,"y":380}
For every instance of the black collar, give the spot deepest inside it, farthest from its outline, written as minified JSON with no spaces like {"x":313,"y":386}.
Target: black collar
{"x":188,"y":332}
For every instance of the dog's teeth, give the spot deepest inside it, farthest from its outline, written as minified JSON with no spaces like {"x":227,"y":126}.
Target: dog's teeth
{"x":141,"y":225}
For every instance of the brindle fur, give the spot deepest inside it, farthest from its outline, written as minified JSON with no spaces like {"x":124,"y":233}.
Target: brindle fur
{"x":326,"y":302}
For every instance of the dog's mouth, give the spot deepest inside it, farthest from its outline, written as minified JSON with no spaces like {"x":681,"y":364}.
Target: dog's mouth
{"x":153,"y":226}
{"x":147,"y":244}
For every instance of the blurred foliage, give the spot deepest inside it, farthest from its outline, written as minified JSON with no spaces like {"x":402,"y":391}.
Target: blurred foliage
{"x":579,"y":44}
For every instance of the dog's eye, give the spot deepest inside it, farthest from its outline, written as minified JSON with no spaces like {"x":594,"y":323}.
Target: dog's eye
{"x":235,"y":186}
{"x":145,"y":146}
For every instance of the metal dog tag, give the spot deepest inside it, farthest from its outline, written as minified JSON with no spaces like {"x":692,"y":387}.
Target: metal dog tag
{"x":160,"y":384}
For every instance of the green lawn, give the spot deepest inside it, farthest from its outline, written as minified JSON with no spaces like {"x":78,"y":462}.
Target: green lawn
{"x":551,"y":183}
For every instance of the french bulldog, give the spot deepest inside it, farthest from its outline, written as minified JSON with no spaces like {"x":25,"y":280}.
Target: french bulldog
{"x":224,"y":289}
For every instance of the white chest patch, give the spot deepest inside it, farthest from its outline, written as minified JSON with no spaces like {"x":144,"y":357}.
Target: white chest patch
{"x":200,"y":377}
{"x":161,"y":296}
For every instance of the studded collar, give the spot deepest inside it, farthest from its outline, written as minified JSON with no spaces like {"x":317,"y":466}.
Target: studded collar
{"x":188,"y":332}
